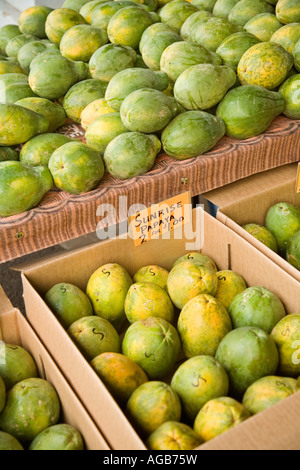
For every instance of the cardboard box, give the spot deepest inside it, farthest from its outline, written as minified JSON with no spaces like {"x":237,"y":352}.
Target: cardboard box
{"x":274,"y":429}
{"x":248,"y":201}
{"x":14,"y":329}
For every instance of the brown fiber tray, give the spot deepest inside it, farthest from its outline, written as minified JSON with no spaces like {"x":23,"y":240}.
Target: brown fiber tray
{"x":61,"y":216}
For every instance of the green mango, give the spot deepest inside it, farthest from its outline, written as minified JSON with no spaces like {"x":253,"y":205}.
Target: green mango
{"x":74,"y":4}
{"x":33,"y":20}
{"x":30,"y":50}
{"x":290,"y":90}
{"x":203,"y":86}
{"x":234,"y":46}
{"x":7,"y":33}
{"x":16,"y":364}
{"x":130,"y":80}
{"x":76,"y":168}
{"x":131,"y":154}
{"x":104,"y":12}
{"x":244,"y":10}
{"x":127,"y":26}
{"x":222,"y":8}
{"x":191,"y":134}
{"x":103,"y":130}
{"x":38,"y":150}
{"x":15,"y":44}
{"x":288,"y":11}
{"x":59,"y":21}
{"x":155,"y":46}
{"x":192,"y":23}
{"x":110,"y":59}
{"x":19,"y":124}
{"x":8,"y":153}
{"x":51,"y":75}
{"x":80,"y":95}
{"x":249,"y":110}
{"x":8,"y":442}
{"x":176,"y":13}
{"x":263,"y":26}
{"x":22,"y":187}
{"x":32,"y":406}
{"x":58,"y":437}
{"x":213,"y":32}
{"x":2,"y":394}
{"x":53,"y":112}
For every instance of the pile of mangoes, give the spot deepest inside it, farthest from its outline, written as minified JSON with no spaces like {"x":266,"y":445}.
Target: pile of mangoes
{"x":187,"y":354}
{"x":281,"y":232}
{"x":140,"y":76}
{"x":30,"y":409}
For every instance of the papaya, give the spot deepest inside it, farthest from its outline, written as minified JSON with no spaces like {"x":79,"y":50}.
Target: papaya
{"x":7,"y":33}
{"x":222,"y":8}
{"x":203,"y":86}
{"x":140,"y":62}
{"x":213,"y":32}
{"x":263,"y":26}
{"x":283,"y":220}
{"x":74,"y":4}
{"x":191,"y":24}
{"x":179,"y":56}
{"x":287,"y":36}
{"x":103,"y":130}
{"x":110,"y":59}
{"x":154,"y":48}
{"x":147,"y":110}
{"x":10,"y":66}
{"x":51,"y":76}
{"x":16,"y":365}
{"x":244,"y":10}
{"x":176,"y":13}
{"x":266,"y":64}
{"x":29,"y":51}
{"x":249,"y":110}
{"x":173,"y":436}
{"x":94,"y":110}
{"x":131,"y":154}
{"x":153,"y":274}
{"x":76,"y":168}
{"x":22,"y":187}
{"x":88,"y":9}
{"x":130,"y":80}
{"x":59,"y":21}
{"x":149,"y":5}
{"x":288,"y":11}
{"x":104,"y":12}
{"x":58,"y":437}
{"x":33,"y":21}
{"x":15,"y":44}
{"x":80,"y":42}
{"x":207,"y":5}
{"x":233,"y":47}
{"x":293,"y":251}
{"x":53,"y":112}
{"x":127,"y":26}
{"x":191,"y":134}
{"x":290,"y":90}
{"x":8,"y":153}
{"x":38,"y":150}
{"x":14,"y":87}
{"x":199,"y":259}
{"x":296,"y":55}
{"x":152,"y":31}
{"x":262,"y":234}
{"x":8,"y":442}
{"x":80,"y":95}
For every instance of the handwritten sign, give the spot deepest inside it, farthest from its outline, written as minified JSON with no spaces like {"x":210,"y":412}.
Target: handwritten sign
{"x":159,"y":219}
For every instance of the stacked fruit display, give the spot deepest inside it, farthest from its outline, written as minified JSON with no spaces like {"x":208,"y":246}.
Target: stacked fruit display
{"x":281,"y":232}
{"x":187,"y":354}
{"x":140,"y":76}
{"x":30,"y":409}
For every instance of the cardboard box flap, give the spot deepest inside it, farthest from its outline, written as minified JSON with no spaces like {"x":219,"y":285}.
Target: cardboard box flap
{"x":5,"y":304}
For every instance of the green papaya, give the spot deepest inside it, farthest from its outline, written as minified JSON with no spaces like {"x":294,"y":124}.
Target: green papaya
{"x":152,"y":31}
{"x":8,"y":442}
{"x":59,"y":21}
{"x":74,"y":4}
{"x":53,"y":112}
{"x":213,"y":32}
{"x":154,"y":48}
{"x":290,"y":90}
{"x":82,"y":94}
{"x":22,"y":187}
{"x":19,"y":124}
{"x":147,"y":110}
{"x":140,"y":62}
{"x":104,"y":12}
{"x":192,"y":23}
{"x":16,"y":363}
{"x":14,"y":87}
{"x":131,"y":154}
{"x":176,"y":13}
{"x":222,"y":8}
{"x":8,"y":153}
{"x":207,"y":5}
{"x":288,"y":11}
{"x":149,"y":5}
{"x":244,"y":10}
{"x":30,"y":50}
{"x":94,"y":110}
{"x":233,"y":47}
{"x":103,"y":130}
{"x":133,"y":79}
{"x":110,"y":59}
{"x":15,"y":44}
{"x":296,"y":56}
{"x":2,"y":394}
{"x":38,"y":150}
{"x":191,"y":134}
{"x":7,"y":33}
{"x":249,"y":110}
{"x":10,"y":66}
{"x":80,"y":42}
{"x":59,"y":437}
{"x":33,"y":20}
{"x":51,"y":76}
{"x":89,"y":8}
{"x":127,"y":26}
{"x":203,"y":86}
{"x":263,"y":26}
{"x":287,"y":36}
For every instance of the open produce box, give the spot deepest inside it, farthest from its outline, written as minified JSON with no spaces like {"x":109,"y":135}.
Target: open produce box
{"x":249,"y":200}
{"x":14,"y":329}
{"x":278,"y":427}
